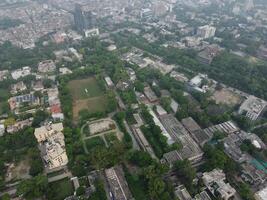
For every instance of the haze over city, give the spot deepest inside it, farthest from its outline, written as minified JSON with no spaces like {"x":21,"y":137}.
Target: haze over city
{"x":133,"y":99}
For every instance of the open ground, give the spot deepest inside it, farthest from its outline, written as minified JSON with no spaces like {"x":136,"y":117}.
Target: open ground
{"x":86,"y":94}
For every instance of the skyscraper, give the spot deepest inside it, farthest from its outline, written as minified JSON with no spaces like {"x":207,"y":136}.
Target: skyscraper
{"x":79,"y":18}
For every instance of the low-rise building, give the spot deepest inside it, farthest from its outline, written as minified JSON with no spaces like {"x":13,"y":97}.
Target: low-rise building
{"x":18,"y":87}
{"x":190,"y":150}
{"x":207,"y":55}
{"x":150,"y":95}
{"x":253,"y":107}
{"x":118,"y":186}
{"x":261,"y":195}
{"x":46,"y":66}
{"x":17,"y":101}
{"x":19,"y":125}
{"x":19,"y":73}
{"x":2,"y":129}
{"x":228,"y":127}
{"x":215,"y":181}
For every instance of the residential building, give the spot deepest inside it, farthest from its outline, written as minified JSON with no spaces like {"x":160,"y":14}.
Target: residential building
{"x":2,"y":129}
{"x":207,"y":55}
{"x":228,"y":127}
{"x":46,"y":66}
{"x":18,"y":87}
{"x":52,"y":145}
{"x":19,"y":73}
{"x":215,"y":181}
{"x":253,"y":107}
{"x":261,"y":195}
{"x":19,"y":125}
{"x":17,"y":101}
{"x":206,"y":31}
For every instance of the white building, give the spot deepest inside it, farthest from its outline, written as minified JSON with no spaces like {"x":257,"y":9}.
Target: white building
{"x":19,"y":73}
{"x":2,"y":129}
{"x":261,"y":195}
{"x":215,"y":182}
{"x":52,"y":145}
{"x":206,"y":31}
{"x":253,"y":107}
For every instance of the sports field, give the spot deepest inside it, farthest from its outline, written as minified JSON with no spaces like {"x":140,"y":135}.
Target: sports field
{"x":86,"y":94}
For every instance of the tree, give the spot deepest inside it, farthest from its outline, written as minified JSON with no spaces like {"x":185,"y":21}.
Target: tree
{"x":185,"y":172}
{"x":33,"y":188}
{"x":39,"y":117}
{"x":80,"y":191}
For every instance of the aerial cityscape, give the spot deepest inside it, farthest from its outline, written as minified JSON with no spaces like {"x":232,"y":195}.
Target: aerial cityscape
{"x":133,"y":99}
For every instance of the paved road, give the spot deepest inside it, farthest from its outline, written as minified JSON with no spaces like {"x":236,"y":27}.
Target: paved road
{"x":59,"y":177}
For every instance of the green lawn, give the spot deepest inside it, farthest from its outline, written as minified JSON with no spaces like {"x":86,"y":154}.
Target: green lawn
{"x":60,"y":189}
{"x":93,"y":143}
{"x":84,"y":88}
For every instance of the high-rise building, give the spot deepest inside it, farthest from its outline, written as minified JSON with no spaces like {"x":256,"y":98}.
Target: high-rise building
{"x":79,"y":18}
{"x":206,"y":31}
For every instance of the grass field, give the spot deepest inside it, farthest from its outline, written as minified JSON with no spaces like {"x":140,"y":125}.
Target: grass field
{"x":84,"y":88}
{"x":88,"y":95}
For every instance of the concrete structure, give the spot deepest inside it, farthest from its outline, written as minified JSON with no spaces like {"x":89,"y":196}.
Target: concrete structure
{"x":46,"y":66}
{"x":19,"y":125}
{"x":15,"y":102}
{"x":109,"y":82}
{"x":190,"y":149}
{"x":52,"y":145}
{"x":197,"y":83}
{"x":118,"y":186}
{"x":2,"y":129}
{"x":207,"y":55}
{"x":215,"y":182}
{"x":195,"y":130}
{"x":253,"y":107}
{"x":19,"y":73}
{"x":150,"y":95}
{"x":206,"y":31}
{"x":181,"y":193}
{"x":261,"y":195}
{"x":18,"y":87}
{"x":228,"y":127}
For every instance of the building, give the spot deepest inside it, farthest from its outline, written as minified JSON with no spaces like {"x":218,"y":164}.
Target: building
{"x":18,"y":87}
{"x":261,"y":195}
{"x":195,"y":130}
{"x":46,"y":66}
{"x":215,"y":181}
{"x":19,"y":125}
{"x":19,"y":73}
{"x":181,"y":193}
{"x":109,"y":82}
{"x":2,"y":129}
{"x":253,"y":107}
{"x":262,"y":52}
{"x":207,"y":55}
{"x":17,"y":101}
{"x":150,"y":95}
{"x":142,"y":141}
{"x":118,"y":186}
{"x":52,"y":145}
{"x":190,"y":150}
{"x":198,"y":83}
{"x":79,"y":20}
{"x":228,"y":127}
{"x":206,"y":31}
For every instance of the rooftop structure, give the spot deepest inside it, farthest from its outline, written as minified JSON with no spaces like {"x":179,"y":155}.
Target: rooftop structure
{"x":178,"y":76}
{"x":19,"y":125}
{"x":195,"y":130}
{"x":190,"y":150}
{"x":117,"y":183}
{"x":109,"y":82}
{"x":2,"y":129}
{"x":253,"y":107}
{"x":206,"y":31}
{"x":46,"y":66}
{"x":261,"y":195}
{"x":52,"y":145}
{"x":207,"y":55}
{"x":225,"y":127}
{"x":15,"y":102}
{"x":19,"y":73}
{"x":151,"y":96}
{"x":215,"y":182}
{"x":182,"y":193}
{"x":18,"y":87}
